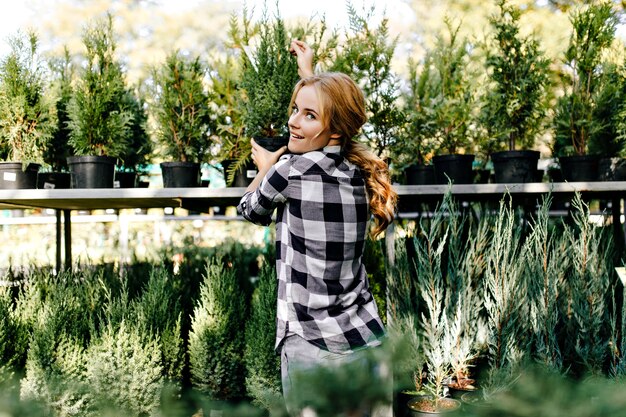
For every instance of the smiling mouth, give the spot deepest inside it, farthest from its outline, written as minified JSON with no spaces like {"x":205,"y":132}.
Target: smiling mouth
{"x":293,"y":135}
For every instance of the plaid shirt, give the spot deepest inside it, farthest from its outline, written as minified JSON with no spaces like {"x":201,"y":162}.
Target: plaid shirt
{"x":321,"y":225}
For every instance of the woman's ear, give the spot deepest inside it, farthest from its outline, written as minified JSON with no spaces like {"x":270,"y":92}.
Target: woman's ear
{"x":335,"y":136}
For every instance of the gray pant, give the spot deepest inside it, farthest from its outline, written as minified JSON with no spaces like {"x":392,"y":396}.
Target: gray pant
{"x":297,"y":355}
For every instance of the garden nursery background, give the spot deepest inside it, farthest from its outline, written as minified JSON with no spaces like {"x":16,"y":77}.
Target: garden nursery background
{"x":505,"y":306}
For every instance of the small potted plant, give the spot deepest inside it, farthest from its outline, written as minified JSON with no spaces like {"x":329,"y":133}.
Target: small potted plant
{"x":448,"y":103}
{"x":593,"y":33}
{"x":55,"y":173}
{"x":366,"y":55}
{"x":413,"y":150}
{"x":183,"y":118}
{"x":27,"y":118}
{"x":230,"y":138}
{"x":99,"y":124}
{"x":609,"y":140}
{"x":134,"y":160}
{"x":514,"y":105}
{"x":268,"y":74}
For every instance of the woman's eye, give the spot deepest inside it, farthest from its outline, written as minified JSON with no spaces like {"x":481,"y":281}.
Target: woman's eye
{"x":294,"y":110}
{"x":310,"y":116}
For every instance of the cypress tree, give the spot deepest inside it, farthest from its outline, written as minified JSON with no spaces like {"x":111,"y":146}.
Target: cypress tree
{"x":216,"y":339}
{"x":263,"y":381}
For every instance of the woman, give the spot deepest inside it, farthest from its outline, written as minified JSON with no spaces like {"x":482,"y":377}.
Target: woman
{"x":324,"y":191}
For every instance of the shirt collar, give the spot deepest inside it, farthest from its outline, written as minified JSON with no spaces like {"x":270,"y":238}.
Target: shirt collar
{"x":332,"y":149}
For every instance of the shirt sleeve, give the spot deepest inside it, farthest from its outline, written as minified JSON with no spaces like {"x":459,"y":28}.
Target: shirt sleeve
{"x":257,"y":206}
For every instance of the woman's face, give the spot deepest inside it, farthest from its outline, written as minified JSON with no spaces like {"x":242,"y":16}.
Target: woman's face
{"x":306,"y":130}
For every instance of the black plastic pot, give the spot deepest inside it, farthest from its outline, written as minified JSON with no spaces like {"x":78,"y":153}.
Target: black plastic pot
{"x":612,"y":169}
{"x":418,"y":174}
{"x":453,"y":168}
{"x":14,"y":177}
{"x":90,"y":171}
{"x":515,"y":166}
{"x":180,"y":174}
{"x":243,"y":177}
{"x":125,"y":179}
{"x":579,"y":168}
{"x":272,"y":144}
{"x":54,"y":180}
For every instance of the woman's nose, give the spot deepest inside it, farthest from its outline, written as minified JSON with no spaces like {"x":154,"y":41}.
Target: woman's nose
{"x":293,"y":120}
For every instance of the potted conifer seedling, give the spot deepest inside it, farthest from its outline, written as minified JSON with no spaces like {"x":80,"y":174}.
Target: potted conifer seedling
{"x":99,"y":124}
{"x":268,"y":76}
{"x":26,"y":116}
{"x":575,"y":119}
{"x":57,"y":149}
{"x":413,"y":150}
{"x":183,"y":118}
{"x":447,"y":103}
{"x":514,"y":105}
{"x":135,"y":159}
{"x":610,"y":140}
{"x":366,"y":55}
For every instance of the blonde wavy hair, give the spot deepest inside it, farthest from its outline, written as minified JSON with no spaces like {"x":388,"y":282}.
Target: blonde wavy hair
{"x":342,"y":111}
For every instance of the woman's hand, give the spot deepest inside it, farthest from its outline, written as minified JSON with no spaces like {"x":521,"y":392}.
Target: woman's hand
{"x":263,"y":158}
{"x":304,"y":57}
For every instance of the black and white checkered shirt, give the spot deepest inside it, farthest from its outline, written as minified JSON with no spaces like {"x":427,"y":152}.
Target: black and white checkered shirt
{"x":321,"y":226}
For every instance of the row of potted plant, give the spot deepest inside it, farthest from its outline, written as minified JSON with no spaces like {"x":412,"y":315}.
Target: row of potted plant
{"x":500,"y":116}
{"x":455,"y":105}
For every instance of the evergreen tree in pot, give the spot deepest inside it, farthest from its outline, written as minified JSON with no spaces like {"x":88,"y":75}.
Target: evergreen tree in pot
{"x":366,"y":54}
{"x":609,"y":139}
{"x":55,"y":173}
{"x":447,"y":103}
{"x":514,"y":104}
{"x":183,"y":118}
{"x":574,"y":122}
{"x":413,"y":151}
{"x":99,"y":124}
{"x":134,"y":160}
{"x":26,"y":115}
{"x":268,"y":74}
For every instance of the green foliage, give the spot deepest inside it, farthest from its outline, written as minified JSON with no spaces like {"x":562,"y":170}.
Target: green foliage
{"x":99,"y":124}
{"x":14,"y":336}
{"x":263,"y":381}
{"x":157,"y":312}
{"x":225,"y":85}
{"x":181,"y":108}
{"x":414,"y":145}
{"x":254,"y":91}
{"x":443,"y":96}
{"x":268,"y":75}
{"x":27,"y":118}
{"x":574,"y":123}
{"x":346,"y":389}
{"x":588,"y":286}
{"x":366,"y":55}
{"x":57,"y":150}
{"x":537,"y":391}
{"x":505,"y":291}
{"x":123,"y":368}
{"x":547,"y":263}
{"x":514,"y":106}
{"x":216,"y":340}
{"x":137,"y":155}
{"x":608,"y":139}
